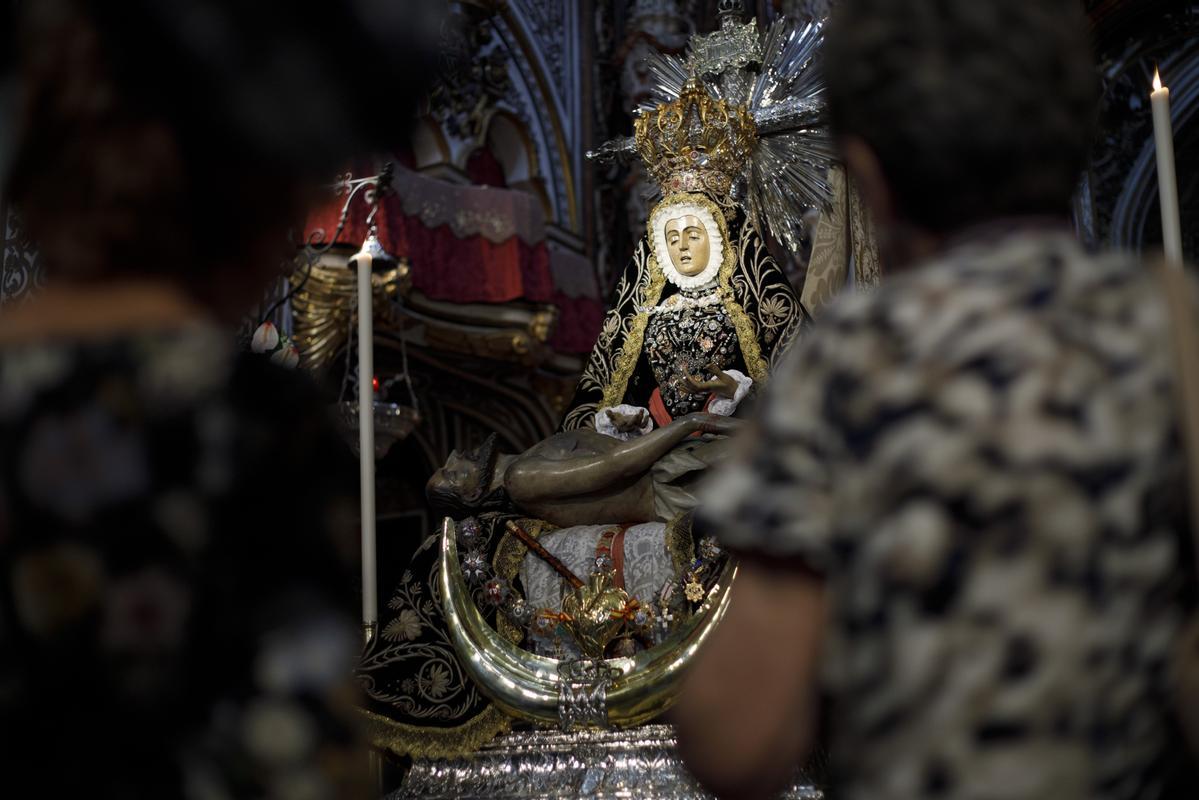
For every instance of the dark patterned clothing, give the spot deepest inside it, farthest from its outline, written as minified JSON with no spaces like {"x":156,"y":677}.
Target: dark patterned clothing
{"x":172,"y":615}
{"x":756,"y":300}
{"x":981,"y":459}
{"x":689,"y":335}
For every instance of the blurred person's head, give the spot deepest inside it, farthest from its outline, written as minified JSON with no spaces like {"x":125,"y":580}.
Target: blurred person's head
{"x":181,"y":139}
{"x":954,"y":113}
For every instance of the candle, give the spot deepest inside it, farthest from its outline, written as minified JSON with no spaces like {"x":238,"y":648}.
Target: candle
{"x":366,"y":432}
{"x":1167,"y":181}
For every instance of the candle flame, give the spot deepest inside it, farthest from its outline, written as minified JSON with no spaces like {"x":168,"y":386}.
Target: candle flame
{"x":1157,"y":80}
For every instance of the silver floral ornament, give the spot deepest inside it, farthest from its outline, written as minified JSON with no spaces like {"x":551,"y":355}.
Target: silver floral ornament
{"x":519,"y":611}
{"x":543,"y":627}
{"x":710,"y":549}
{"x":475,"y":568}
{"x":496,"y":591}
{"x":469,"y":532}
{"x":642,"y":617}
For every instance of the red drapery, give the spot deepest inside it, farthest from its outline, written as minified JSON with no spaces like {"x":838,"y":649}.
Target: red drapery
{"x":472,"y":268}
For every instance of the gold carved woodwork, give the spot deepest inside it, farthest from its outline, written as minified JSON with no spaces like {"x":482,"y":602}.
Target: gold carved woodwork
{"x":324,"y":315}
{"x":324,"y":312}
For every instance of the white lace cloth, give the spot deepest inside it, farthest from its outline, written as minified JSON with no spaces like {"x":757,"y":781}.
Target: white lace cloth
{"x":647,"y":563}
{"x":495,"y":214}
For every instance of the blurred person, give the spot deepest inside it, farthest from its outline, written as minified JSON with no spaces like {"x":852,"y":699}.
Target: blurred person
{"x":961,"y":516}
{"x":174,"y":613}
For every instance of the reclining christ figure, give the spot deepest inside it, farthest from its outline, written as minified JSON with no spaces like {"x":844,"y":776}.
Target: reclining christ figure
{"x":583,"y":477}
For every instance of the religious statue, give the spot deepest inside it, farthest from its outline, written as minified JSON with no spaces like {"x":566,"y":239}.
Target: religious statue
{"x":702,"y":310}
{"x":582,"y":477}
{"x":570,"y":586}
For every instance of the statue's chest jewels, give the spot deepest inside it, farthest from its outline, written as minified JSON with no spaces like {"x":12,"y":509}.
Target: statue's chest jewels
{"x":682,"y":339}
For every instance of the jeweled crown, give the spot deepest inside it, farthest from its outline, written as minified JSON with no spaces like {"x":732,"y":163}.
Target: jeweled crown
{"x":695,"y":143}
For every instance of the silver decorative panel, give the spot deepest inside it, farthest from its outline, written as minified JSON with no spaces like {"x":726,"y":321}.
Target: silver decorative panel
{"x":637,"y":763}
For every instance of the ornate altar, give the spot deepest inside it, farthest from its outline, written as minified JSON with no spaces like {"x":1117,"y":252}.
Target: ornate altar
{"x":564,"y":590}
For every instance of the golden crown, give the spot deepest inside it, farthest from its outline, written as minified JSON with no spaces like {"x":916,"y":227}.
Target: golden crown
{"x":695,"y":143}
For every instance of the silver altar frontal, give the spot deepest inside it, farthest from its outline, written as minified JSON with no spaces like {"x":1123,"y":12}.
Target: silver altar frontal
{"x":635,"y":763}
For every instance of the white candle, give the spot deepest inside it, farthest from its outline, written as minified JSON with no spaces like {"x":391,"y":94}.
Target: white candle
{"x":366,"y":432}
{"x":1167,"y":180}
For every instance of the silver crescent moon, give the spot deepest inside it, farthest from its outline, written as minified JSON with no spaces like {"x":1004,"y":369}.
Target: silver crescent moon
{"x":525,"y":685}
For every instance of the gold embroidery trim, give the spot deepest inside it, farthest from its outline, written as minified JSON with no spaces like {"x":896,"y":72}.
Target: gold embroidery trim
{"x":421,"y":741}
{"x":626,"y":361}
{"x":680,"y":545}
{"x":759,"y":370}
{"x":506,"y":563}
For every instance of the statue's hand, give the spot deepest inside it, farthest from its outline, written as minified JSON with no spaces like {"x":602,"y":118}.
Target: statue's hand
{"x":628,"y":423}
{"x":711,"y":423}
{"x":723,"y":385}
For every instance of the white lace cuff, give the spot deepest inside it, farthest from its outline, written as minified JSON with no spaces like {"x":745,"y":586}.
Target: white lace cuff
{"x":604,"y":424}
{"x":725,"y":406}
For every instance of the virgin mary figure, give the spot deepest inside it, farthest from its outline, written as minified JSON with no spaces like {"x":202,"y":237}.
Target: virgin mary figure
{"x":702,"y":312}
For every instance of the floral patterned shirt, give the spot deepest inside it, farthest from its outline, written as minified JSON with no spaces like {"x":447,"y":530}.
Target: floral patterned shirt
{"x":172,"y":613}
{"x":981,"y":458}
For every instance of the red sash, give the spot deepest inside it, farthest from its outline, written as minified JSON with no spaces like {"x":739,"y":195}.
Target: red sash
{"x":611,"y":544}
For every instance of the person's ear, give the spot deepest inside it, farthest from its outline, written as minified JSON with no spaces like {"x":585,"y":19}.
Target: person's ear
{"x":863,"y":167}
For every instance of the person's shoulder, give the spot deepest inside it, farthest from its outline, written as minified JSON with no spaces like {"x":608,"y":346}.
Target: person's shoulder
{"x":160,"y":373}
{"x":1033,"y":273}
{"x":854,"y":330}
{"x":890,"y":307}
{"x":285,"y":411}
{"x":1089,"y":268}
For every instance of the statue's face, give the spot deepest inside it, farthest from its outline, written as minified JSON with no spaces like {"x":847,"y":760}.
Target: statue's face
{"x":687,"y":241}
{"x":460,"y":477}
